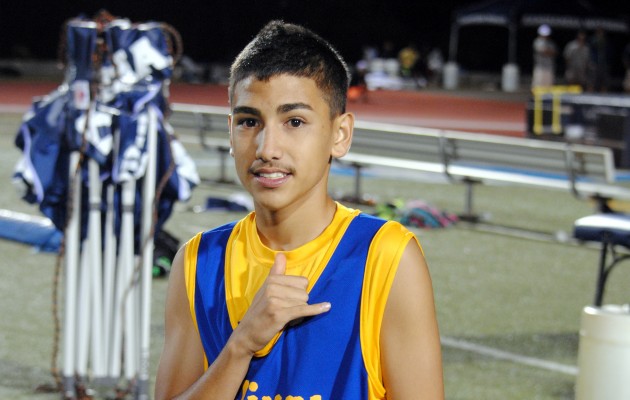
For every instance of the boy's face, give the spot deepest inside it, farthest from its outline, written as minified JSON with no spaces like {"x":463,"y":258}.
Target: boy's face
{"x":283,"y":136}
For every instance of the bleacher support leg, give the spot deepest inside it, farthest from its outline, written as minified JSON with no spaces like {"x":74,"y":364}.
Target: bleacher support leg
{"x":357,"y":197}
{"x":469,"y":215}
{"x":223,"y":153}
{"x":602,"y":275}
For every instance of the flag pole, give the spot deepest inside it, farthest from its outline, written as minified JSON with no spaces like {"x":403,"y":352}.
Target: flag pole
{"x":96,"y":272}
{"x":83,"y":317}
{"x":109,"y":276}
{"x":72,"y":258}
{"x":148,"y":196}
{"x":129,"y":281}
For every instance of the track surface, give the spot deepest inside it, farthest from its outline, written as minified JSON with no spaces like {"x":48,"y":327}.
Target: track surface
{"x":493,"y":113}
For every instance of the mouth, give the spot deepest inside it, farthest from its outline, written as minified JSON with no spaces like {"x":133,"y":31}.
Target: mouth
{"x":271,"y":178}
{"x":272,"y":175}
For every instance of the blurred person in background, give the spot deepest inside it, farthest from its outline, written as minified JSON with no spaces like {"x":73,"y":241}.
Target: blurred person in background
{"x":576,"y":56}
{"x":544,"y":58}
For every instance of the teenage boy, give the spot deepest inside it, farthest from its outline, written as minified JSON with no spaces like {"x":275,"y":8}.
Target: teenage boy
{"x":304,"y":298}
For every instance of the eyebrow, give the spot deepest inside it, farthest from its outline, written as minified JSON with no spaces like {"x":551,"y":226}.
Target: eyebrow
{"x":246,"y":110}
{"x":285,"y":108}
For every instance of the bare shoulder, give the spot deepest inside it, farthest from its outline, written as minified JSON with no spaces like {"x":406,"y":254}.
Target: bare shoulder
{"x":410,"y":342}
{"x":411,"y":294}
{"x":176,"y":296}
{"x":181,"y":361}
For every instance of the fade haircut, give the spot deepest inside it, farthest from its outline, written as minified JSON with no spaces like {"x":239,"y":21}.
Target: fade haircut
{"x":282,"y":48}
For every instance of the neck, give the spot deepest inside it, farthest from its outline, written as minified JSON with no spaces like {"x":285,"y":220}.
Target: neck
{"x":290,"y":228}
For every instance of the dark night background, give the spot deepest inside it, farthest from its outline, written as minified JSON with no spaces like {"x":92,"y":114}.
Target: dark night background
{"x":214,"y":31}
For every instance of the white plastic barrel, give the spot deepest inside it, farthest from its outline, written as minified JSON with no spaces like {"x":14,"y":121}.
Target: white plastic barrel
{"x":604,"y":354}
{"x":451,"y":75}
{"x":510,"y":78}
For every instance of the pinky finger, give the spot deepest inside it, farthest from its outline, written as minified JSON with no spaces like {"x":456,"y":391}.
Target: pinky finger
{"x":309,"y":311}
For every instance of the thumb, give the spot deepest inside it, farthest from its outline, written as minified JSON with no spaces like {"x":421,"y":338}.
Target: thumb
{"x":280,"y":265}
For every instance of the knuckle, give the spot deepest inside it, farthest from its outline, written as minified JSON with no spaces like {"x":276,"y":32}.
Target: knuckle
{"x":276,"y":317}
{"x":272,"y":289}
{"x":274,"y":303}
{"x":303,"y":281}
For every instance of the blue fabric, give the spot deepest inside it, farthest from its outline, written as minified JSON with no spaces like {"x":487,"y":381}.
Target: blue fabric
{"x":212,"y":315}
{"x":80,"y":45}
{"x":119,"y":38}
{"x":37,"y":232}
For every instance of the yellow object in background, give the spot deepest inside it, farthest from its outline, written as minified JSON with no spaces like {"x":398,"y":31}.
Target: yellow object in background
{"x":556,"y":91}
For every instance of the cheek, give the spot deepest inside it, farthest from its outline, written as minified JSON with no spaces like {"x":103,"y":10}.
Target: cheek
{"x":240,"y":158}
{"x":242,"y":146}
{"x":315,"y":162}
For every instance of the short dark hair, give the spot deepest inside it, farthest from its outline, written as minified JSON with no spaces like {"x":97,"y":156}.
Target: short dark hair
{"x":283,"y":48}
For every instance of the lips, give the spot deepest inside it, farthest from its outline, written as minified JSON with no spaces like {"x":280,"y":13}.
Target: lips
{"x":271,"y":177}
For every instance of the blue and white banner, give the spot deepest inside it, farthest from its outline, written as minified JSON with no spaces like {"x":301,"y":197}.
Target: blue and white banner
{"x":107,"y":120}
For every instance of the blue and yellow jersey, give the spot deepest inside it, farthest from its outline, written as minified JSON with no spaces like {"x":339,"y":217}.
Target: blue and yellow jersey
{"x":335,"y":355}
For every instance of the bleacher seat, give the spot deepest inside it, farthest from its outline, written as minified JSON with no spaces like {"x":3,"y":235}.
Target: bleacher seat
{"x":611,"y":230}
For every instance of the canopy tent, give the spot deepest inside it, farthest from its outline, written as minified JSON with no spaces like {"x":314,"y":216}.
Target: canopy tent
{"x":514,"y":14}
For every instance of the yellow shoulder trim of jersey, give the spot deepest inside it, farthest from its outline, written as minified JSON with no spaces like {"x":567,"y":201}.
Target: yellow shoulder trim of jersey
{"x":383,"y":258}
{"x":190,"y":278}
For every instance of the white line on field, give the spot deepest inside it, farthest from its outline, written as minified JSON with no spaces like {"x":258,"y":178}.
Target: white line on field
{"x":504,"y":355}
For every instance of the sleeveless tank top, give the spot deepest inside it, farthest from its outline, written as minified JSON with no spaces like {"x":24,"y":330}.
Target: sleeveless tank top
{"x":335,"y":355}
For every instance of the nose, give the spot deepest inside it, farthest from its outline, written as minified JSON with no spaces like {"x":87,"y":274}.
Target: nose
{"x":269,"y":144}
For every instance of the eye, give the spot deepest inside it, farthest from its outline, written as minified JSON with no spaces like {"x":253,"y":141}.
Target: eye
{"x":295,"y":122}
{"x":247,"y":122}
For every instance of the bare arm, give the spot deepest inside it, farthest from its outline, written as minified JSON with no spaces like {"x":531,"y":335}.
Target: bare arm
{"x":410,"y":341}
{"x":281,"y":299}
{"x":182,"y":361}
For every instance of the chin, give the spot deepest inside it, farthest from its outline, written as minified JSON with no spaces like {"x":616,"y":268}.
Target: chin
{"x":270,"y":201}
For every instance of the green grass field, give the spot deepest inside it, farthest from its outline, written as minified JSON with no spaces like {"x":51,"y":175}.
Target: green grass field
{"x":497,"y":289}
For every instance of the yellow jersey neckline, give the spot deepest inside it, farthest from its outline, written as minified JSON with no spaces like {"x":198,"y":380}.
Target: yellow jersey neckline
{"x":303,"y":253}
{"x":248,"y":260}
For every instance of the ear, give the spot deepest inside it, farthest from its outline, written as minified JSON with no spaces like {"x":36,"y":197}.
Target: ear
{"x":343,"y":126}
